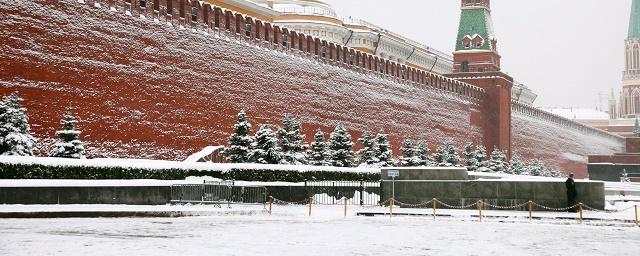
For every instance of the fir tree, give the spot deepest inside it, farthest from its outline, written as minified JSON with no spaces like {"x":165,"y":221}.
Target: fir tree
{"x":498,"y":162}
{"x":318,"y":153}
{"x":341,"y":147}
{"x":516,"y":166}
{"x":470,"y":157}
{"x":535,"y":167}
{"x":367,"y":155}
{"x":440,"y":155}
{"x":481,"y":157}
{"x":636,"y":129}
{"x":453,"y":159}
{"x":409,"y":157}
{"x":265,"y":150}
{"x":555,"y":173}
{"x":383,"y":150}
{"x":447,"y":155}
{"x":292,"y":141}
{"x":69,"y":145}
{"x":15,"y":132}
{"x":240,"y":141}
{"x":422,"y":153}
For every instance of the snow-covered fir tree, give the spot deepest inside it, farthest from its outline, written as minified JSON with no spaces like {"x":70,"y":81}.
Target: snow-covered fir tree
{"x":447,"y":155}
{"x":383,"y":150}
{"x":69,"y":145}
{"x":535,"y":167}
{"x":470,"y":157}
{"x":341,"y":147}
{"x":498,"y":162}
{"x":516,"y":166}
{"x":636,"y":128}
{"x":240,"y":141}
{"x":554,"y":173}
{"x":422,"y":153}
{"x":367,"y":155}
{"x":409,"y":157}
{"x":318,"y":155}
{"x":15,"y":132}
{"x":481,"y":158}
{"x":292,"y":141}
{"x":624,"y":176}
{"x":265,"y":150}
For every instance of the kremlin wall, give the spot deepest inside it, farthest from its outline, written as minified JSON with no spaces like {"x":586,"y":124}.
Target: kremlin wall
{"x":148,"y":85}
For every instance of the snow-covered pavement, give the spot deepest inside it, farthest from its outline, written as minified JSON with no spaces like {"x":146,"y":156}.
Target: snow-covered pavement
{"x":289,"y":231}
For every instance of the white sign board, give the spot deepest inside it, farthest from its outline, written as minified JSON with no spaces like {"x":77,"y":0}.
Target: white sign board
{"x":393,"y":173}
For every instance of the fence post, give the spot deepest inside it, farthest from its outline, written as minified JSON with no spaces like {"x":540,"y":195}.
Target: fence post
{"x":361,"y":192}
{"x":390,"y":208}
{"x":530,"y":209}
{"x":333,"y":189}
{"x":637,"y":215}
{"x":580,"y":209}
{"x":345,"y":206}
{"x":434,"y":209}
{"x":381,"y":191}
{"x":270,"y":203}
{"x":480,"y":209}
{"x":310,"y":203}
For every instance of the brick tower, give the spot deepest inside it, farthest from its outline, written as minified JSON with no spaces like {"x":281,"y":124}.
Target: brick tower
{"x":476,"y":61}
{"x":630,"y":98}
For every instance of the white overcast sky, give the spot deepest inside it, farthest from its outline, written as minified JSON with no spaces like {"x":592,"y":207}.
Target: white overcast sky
{"x":567,"y":51}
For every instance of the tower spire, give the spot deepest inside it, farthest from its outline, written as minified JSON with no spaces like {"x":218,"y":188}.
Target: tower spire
{"x":634,"y":21}
{"x":476,"y":44}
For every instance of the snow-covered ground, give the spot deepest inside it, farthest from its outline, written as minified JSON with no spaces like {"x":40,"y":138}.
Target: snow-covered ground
{"x":289,"y":231}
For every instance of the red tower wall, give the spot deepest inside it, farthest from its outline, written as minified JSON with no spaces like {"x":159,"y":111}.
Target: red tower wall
{"x":153,"y":89}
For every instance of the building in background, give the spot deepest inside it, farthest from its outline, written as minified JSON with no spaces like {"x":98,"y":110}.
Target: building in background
{"x":319,"y":19}
{"x":624,"y":108}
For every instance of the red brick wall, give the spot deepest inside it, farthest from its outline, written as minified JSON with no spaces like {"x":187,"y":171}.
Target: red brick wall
{"x":561,"y":143}
{"x":149,"y":90}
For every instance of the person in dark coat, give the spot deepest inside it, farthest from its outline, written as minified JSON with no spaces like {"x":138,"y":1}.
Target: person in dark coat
{"x":571,"y":192}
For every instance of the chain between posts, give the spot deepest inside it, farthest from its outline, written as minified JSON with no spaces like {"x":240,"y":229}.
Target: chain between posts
{"x":457,"y":207}
{"x":505,"y":207}
{"x":428,"y":203}
{"x":555,"y":209}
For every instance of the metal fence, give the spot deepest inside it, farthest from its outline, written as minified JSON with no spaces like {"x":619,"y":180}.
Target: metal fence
{"x":356,"y":192}
{"x":218,"y":193}
{"x":322,"y":192}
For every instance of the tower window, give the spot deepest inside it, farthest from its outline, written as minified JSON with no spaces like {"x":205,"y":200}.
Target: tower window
{"x":465,"y":66}
{"x":466,"y":41}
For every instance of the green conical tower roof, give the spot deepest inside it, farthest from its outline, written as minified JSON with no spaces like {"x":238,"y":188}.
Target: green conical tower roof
{"x":634,"y":21}
{"x":475,"y":20}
